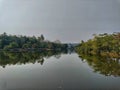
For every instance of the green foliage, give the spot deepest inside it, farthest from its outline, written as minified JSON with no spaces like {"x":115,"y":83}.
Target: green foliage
{"x":102,"y":44}
{"x":13,"y":45}
{"x":42,"y":38}
{"x":13,"y":42}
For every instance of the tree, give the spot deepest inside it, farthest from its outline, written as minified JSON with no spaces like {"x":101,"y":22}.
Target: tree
{"x":42,"y":37}
{"x":13,"y":41}
{"x":11,"y":46}
{"x":102,"y":44}
{"x":26,"y":46}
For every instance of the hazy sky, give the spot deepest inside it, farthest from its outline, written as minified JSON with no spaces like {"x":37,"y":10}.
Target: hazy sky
{"x":66,"y":20}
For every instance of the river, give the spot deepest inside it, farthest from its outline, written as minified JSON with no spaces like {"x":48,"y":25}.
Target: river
{"x":48,"y":71}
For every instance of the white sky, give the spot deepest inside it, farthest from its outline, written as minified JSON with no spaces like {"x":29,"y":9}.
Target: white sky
{"x":66,"y":20}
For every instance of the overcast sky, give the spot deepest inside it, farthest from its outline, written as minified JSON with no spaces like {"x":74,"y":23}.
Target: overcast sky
{"x":66,"y":20}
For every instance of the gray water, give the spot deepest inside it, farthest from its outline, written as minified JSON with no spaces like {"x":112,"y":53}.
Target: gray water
{"x":58,"y":72}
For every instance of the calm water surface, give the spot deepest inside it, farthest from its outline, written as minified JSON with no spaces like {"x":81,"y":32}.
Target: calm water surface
{"x":57,"y":72}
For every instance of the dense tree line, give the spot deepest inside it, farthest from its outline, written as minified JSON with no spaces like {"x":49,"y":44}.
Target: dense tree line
{"x":13,"y":42}
{"x":102,"y":44}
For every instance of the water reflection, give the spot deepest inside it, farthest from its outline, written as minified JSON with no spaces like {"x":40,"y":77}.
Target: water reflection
{"x":10,"y":58}
{"x":57,"y":71}
{"x":103,"y":65}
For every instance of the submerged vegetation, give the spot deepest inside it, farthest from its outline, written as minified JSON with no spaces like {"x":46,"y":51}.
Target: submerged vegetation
{"x":102,"y":44}
{"x":25,"y":43}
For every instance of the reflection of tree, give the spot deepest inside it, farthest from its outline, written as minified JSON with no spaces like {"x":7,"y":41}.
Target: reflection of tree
{"x":103,"y":65}
{"x":9,"y":58}
{"x":57,"y":56}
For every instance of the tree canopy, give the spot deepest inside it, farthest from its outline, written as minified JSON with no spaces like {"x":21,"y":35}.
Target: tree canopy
{"x":9,"y":42}
{"x":102,"y":44}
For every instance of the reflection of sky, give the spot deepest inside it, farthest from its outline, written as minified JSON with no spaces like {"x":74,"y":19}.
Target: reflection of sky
{"x":67,"y":72}
{"x":67,"y":20}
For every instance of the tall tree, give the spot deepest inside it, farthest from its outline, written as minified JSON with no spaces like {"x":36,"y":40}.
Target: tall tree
{"x":42,"y":37}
